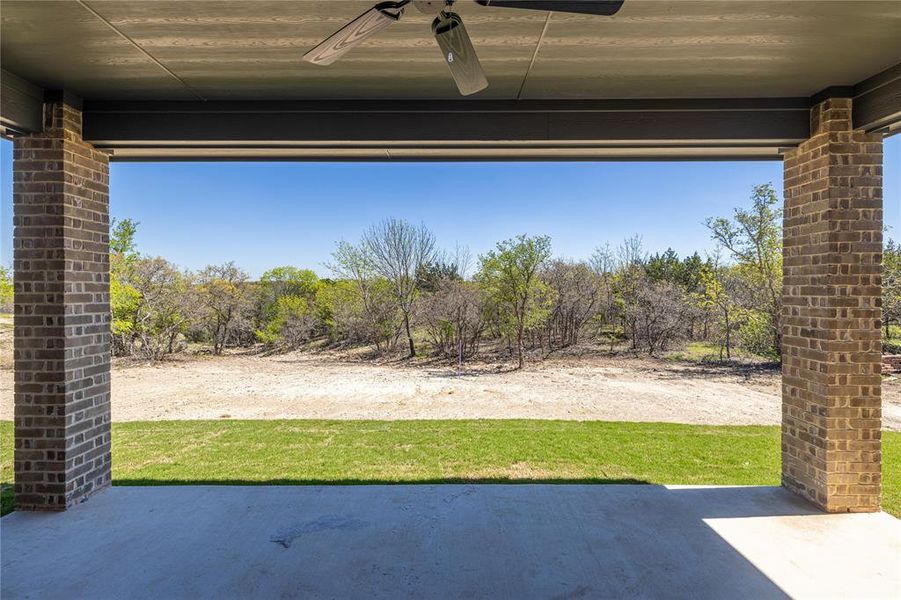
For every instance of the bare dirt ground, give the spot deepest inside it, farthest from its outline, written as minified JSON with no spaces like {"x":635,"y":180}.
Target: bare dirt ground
{"x":329,"y":385}
{"x":319,"y":386}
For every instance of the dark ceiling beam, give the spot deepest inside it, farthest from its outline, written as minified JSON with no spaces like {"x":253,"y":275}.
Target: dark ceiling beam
{"x":462,"y":130}
{"x":473,"y":129}
{"x":21,"y":105}
{"x":877,"y":102}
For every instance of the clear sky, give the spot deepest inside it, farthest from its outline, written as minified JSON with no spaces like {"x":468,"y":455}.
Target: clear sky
{"x":267,"y":214}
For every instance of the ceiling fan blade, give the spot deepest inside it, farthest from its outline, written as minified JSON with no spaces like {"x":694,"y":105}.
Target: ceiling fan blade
{"x":585,"y":7}
{"x":459,"y":53}
{"x":354,"y":33}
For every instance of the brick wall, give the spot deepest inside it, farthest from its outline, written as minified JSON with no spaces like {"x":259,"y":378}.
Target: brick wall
{"x":62,"y":315}
{"x":831,"y":402}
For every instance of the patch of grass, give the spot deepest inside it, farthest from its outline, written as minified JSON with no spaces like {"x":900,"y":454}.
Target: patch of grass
{"x":891,"y":472}
{"x":353,"y":452}
{"x":709,"y":352}
{"x":695,"y":352}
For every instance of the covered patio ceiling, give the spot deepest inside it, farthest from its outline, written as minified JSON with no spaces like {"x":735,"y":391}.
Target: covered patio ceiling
{"x":200,"y":79}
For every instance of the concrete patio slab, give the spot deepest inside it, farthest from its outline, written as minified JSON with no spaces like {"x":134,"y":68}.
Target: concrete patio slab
{"x":449,"y":541}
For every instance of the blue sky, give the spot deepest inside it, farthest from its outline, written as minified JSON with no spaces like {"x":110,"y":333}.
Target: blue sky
{"x":268,"y":214}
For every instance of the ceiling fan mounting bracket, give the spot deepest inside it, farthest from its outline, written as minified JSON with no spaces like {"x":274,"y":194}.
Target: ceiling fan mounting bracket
{"x":432,"y":7}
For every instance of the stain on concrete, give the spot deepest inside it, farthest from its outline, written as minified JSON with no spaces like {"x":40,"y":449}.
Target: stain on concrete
{"x":286,"y":537}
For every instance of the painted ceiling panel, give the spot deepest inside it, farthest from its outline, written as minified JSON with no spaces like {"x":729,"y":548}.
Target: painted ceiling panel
{"x":61,"y":45}
{"x":716,"y":49}
{"x":254,"y":50}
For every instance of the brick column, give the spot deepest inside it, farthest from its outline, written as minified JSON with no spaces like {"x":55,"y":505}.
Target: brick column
{"x":831,"y":398}
{"x":62,"y":315}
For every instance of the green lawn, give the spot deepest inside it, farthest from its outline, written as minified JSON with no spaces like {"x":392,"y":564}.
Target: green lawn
{"x":350,"y":452}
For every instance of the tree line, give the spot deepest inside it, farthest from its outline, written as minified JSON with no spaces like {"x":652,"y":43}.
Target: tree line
{"x":396,"y":290}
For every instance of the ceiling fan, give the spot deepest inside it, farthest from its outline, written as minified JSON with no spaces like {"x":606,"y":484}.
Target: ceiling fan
{"x":448,"y":29}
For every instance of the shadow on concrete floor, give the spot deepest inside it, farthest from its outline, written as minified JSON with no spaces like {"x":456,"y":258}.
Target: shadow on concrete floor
{"x":728,"y":501}
{"x":340,"y":482}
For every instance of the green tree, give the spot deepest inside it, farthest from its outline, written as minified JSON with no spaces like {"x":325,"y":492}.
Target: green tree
{"x":509,"y":276}
{"x":122,"y":236}
{"x":718,"y":295}
{"x":359,"y":310}
{"x":891,"y":286}
{"x":223,"y":295}
{"x":6,"y":289}
{"x":691,"y":270}
{"x":124,"y":297}
{"x":160,"y":313}
{"x":685,"y":273}
{"x":433,"y":275}
{"x":282,"y":293}
{"x":665,"y":267}
{"x":754,"y":238}
{"x":289,"y":281}
{"x":293,"y":322}
{"x":122,"y":247}
{"x":124,"y":303}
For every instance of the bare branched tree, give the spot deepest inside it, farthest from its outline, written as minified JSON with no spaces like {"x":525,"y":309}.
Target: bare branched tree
{"x":374,"y":320}
{"x":453,"y":316}
{"x":603,"y":263}
{"x":160,"y":313}
{"x":397,"y":251}
{"x":631,"y":252}
{"x":577,"y":298}
{"x":657,"y":311}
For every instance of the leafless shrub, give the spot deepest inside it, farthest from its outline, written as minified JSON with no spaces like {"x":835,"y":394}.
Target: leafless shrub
{"x":576,"y":299}
{"x":453,"y":316}
{"x":657,"y":312}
